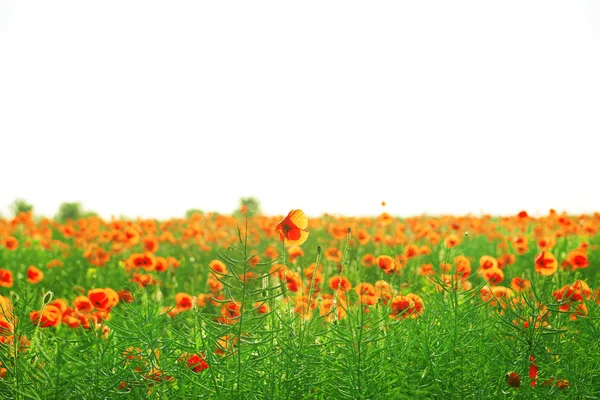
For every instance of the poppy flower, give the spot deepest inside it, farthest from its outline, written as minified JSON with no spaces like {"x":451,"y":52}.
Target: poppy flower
{"x":426,"y":270}
{"x":368,"y":260}
{"x":513,"y":379}
{"x":83,"y":304}
{"x":49,"y":316}
{"x":463,"y":267}
{"x":271,"y":252}
{"x":54,"y":263}
{"x":340,"y":283}
{"x":150,"y":244}
{"x":487,"y":262}
{"x":533,"y":371}
{"x":506,"y":259}
{"x":294,"y":252}
{"x":113,"y":297}
{"x":545,"y":263}
{"x":195,"y":362}
{"x":61,"y":304}
{"x":99,"y":298}
{"x":34,"y":275}
{"x":401,"y":306}
{"x":184,"y":301}
{"x":577,"y":259}
{"x":363,"y":237}
{"x":385,"y":263}
{"x":218,"y":266}
{"x":11,"y":243}
{"x":292,"y":229}
{"x":520,"y":284}
{"x":331,"y":310}
{"x":293,"y":280}
{"x":161,"y":264}
{"x":451,"y":241}
{"x":493,"y":275}
{"x":125,"y":295}
{"x":6,"y":278}
{"x":333,"y":254}
{"x":261,"y":307}
{"x":144,"y":260}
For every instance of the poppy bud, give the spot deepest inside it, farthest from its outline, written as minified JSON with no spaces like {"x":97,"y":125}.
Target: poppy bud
{"x":513,"y":379}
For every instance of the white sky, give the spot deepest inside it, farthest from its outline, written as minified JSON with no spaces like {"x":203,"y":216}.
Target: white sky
{"x":149,"y":108}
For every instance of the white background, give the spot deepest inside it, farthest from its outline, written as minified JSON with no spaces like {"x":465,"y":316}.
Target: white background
{"x":149,"y":108}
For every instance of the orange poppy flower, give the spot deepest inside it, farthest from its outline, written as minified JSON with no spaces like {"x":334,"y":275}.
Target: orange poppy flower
{"x":184,"y":301}
{"x":520,"y":284}
{"x":6,"y":278}
{"x":407,"y":306}
{"x":546,"y":243}
{"x":333,"y":254}
{"x":506,"y":259}
{"x":218,"y":266}
{"x":411,"y":250}
{"x":331,"y":311}
{"x":545,"y":263}
{"x":7,"y":317}
{"x":293,"y":280}
{"x":214,"y":285}
{"x":271,"y":252}
{"x":365,"y":288}
{"x":54,"y":263}
{"x":150,"y":244}
{"x":83,"y":304}
{"x":363,"y":236}
{"x":426,"y":269}
{"x":11,"y":243}
{"x":125,"y":295}
{"x":49,"y":316}
{"x":34,"y":275}
{"x":451,"y":240}
{"x":487,"y":262}
{"x":61,"y":304}
{"x":368,"y":260}
{"x":577,"y":259}
{"x":145,"y":261}
{"x":113,"y":297}
{"x":161,"y":264}
{"x":261,"y":307}
{"x":295,"y":252}
{"x":99,"y":298}
{"x":340,"y":283}
{"x":292,"y":229}
{"x":385,"y":263}
{"x":493,"y":275}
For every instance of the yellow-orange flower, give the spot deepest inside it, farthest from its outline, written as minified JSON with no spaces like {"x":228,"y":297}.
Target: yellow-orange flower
{"x":292,"y":229}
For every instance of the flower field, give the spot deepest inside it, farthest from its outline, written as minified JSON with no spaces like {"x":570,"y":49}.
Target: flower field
{"x":288,"y":307}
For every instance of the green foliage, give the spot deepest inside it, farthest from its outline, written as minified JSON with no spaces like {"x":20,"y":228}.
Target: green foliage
{"x":251,"y":204}
{"x":19,"y":206}
{"x":193,"y":211}
{"x":69,"y":211}
{"x":460,"y":347}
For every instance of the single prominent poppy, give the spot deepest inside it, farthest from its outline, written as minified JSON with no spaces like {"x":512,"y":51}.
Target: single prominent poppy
{"x":545,"y":263}
{"x":34,"y":275}
{"x":292,"y":230}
